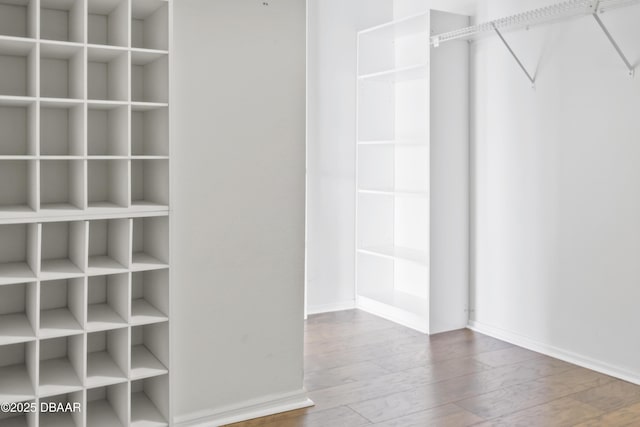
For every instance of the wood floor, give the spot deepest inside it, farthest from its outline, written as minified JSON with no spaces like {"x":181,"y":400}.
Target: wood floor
{"x":365,"y":371}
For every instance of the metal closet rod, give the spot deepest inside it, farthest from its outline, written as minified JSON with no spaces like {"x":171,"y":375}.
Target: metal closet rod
{"x":558,"y":12}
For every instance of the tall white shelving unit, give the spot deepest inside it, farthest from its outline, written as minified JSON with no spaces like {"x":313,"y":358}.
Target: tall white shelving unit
{"x":84,"y":210}
{"x":412,"y":173}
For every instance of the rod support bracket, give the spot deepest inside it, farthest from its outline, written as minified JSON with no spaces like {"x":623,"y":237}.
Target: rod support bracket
{"x":615,"y":44}
{"x":513,"y":54}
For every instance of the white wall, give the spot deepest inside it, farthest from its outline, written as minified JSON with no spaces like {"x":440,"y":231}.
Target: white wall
{"x":238,"y":197}
{"x":555,"y":177}
{"x":333,"y":25}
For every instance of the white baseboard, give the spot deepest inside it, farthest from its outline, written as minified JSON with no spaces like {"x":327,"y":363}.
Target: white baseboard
{"x":556,"y":352}
{"x":394,"y":314}
{"x":247,"y":410}
{"x":328,"y":308}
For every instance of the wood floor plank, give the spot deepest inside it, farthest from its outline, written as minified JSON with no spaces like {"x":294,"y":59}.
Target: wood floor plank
{"x":336,"y":417}
{"x":564,"y":412}
{"x":612,"y":396}
{"x":317,"y":380}
{"x":441,"y":416}
{"x":624,"y":417}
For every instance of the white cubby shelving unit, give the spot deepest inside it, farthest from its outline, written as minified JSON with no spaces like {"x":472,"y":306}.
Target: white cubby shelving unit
{"x":84,"y":210}
{"x":412,"y":157}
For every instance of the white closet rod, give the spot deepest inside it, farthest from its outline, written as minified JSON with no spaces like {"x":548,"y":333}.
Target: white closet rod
{"x":562,"y":11}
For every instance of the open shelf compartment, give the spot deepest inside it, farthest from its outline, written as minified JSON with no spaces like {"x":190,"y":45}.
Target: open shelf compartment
{"x":28,"y":419}
{"x":150,"y":132}
{"x":62,"y":129}
{"x":18,"y":372}
{"x":149,"y":350}
{"x":149,"y":183}
{"x":18,"y":253}
{"x":62,"y":307}
{"x":107,"y":22}
{"x":62,"y":20}
{"x":108,"y":302}
{"x":18,"y":313}
{"x":150,"y":243}
{"x":150,"y":402}
{"x":61,"y":365}
{"x":63,"y":410}
{"x":149,"y":79}
{"x":107,"y":358}
{"x":109,"y":250}
{"x":18,"y":18}
{"x":63,"y":250}
{"x":397,"y":169}
{"x":149,"y":25}
{"x":18,"y":64}
{"x":149,"y":297}
{"x":18,"y":187}
{"x":61,"y":71}
{"x":108,"y":131}
{"x":107,"y":75}
{"x":18,"y":121}
{"x":108,"y":406}
{"x":62,"y":185}
{"x":108,"y":184}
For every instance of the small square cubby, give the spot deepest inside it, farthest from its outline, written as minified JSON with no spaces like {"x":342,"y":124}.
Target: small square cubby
{"x":149,"y":78}
{"x":149,"y":183}
{"x":149,"y":350}
{"x":109,"y":246}
{"x":108,"y":406}
{"x":107,"y":131}
{"x":149,"y":297}
{"x":18,"y":253}
{"x":62,"y":305}
{"x":18,"y":122}
{"x":25,"y":416}
{"x":63,"y":410}
{"x":107,"y":359}
{"x":18,"y":18}
{"x":62,"y":20}
{"x":18,"y":305}
{"x":149,"y":131}
{"x":18,"y":186}
{"x":61,"y":71}
{"x":18,"y":61}
{"x":61,"y":129}
{"x":150,"y":22}
{"x":63,"y":252}
{"x":61,"y":365}
{"x":108,"y":22}
{"x":18,"y":364}
{"x":107,"y":76}
{"x":107,"y":183}
{"x":62,"y":184}
{"x":150,"y":402}
{"x":150,"y":243}
{"x":108,"y":302}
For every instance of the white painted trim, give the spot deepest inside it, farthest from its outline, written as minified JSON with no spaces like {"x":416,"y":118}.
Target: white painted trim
{"x":328,"y":308}
{"x":393,"y":314}
{"x":247,"y":410}
{"x":556,"y":352}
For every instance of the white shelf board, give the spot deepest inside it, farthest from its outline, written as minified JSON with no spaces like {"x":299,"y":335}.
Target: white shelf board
{"x":143,"y":313}
{"x":101,"y":414}
{"x":102,"y":370}
{"x":101,"y":317}
{"x":16,"y":272}
{"x":103,"y":265}
{"x":144,"y":364}
{"x":15,"y":384}
{"x":16,"y":101}
{"x":104,"y":53}
{"x":57,"y":376}
{"x":59,"y":209}
{"x":146,"y":56}
{"x":408,"y":26}
{"x":147,"y":106}
{"x":15,"y":328}
{"x":104,"y":104}
{"x":58,"y":322}
{"x":60,"y":102}
{"x":144,"y":262}
{"x":19,"y":157}
{"x":410,"y":312}
{"x":59,"y":269}
{"x":144,"y":413}
{"x":19,"y":211}
{"x":415,"y":72}
{"x":403,"y":142}
{"x":59,"y":50}
{"x":57,"y":419}
{"x":16,"y":46}
{"x":395,"y":193}
{"x":397,"y":253}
